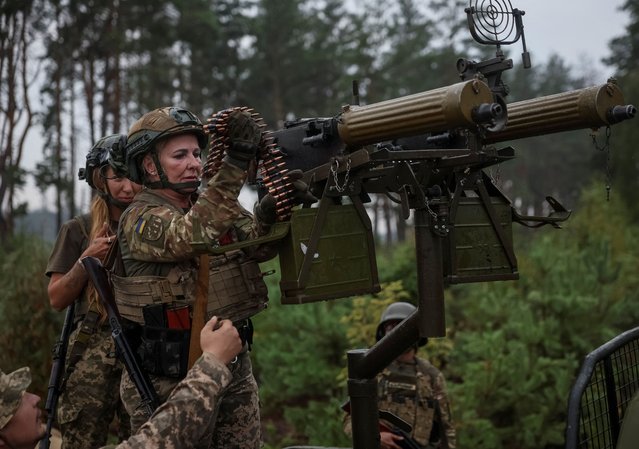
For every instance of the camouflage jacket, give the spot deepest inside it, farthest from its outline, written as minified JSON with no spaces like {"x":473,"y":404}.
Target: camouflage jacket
{"x":182,"y":419}
{"x":416,"y":392}
{"x":152,"y":230}
{"x":160,"y":264}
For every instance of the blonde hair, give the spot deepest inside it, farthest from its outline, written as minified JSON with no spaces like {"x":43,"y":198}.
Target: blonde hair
{"x":99,"y":216}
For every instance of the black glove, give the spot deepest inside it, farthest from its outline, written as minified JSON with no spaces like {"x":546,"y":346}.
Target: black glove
{"x":245,"y":136}
{"x":301,"y":194}
{"x":266,"y":211}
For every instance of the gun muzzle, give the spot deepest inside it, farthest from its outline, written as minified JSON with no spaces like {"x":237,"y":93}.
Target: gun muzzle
{"x":465,"y":104}
{"x":590,"y":107}
{"x":621,"y":113}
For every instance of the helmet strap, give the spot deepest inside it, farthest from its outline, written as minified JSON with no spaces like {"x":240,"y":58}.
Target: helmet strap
{"x":183,"y":188}
{"x":106,"y":196}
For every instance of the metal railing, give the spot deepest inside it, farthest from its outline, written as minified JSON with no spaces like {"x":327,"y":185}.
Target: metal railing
{"x":607,"y":381}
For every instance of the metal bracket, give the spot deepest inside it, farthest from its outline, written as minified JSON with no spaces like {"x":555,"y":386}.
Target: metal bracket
{"x":559,"y":214}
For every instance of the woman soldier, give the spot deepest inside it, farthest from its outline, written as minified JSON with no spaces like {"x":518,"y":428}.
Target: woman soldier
{"x":90,"y":397}
{"x":155,"y":237}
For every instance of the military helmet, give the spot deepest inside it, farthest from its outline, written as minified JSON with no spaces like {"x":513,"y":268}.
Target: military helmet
{"x":155,"y":125}
{"x":12,"y":388}
{"x":108,"y":150}
{"x":397,"y":311}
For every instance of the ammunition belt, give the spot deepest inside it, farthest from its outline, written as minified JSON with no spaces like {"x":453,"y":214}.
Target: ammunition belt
{"x":270,"y":164}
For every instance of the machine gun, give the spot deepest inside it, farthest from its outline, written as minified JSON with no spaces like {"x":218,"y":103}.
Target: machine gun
{"x":427,"y":152}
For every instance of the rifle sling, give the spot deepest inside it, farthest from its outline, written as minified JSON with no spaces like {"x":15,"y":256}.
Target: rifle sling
{"x":199,"y":309}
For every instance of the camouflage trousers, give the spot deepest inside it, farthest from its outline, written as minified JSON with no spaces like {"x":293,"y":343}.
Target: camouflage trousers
{"x":91,"y":399}
{"x":235,"y":424}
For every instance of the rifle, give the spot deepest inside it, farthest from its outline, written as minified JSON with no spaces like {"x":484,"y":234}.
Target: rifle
{"x":389,"y":422}
{"x":98,"y":276}
{"x":57,"y":372}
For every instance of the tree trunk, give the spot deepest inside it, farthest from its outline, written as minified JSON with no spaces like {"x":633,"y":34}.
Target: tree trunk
{"x":15,"y":111}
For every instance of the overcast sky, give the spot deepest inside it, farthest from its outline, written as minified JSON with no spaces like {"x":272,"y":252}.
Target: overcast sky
{"x":577,"y":30}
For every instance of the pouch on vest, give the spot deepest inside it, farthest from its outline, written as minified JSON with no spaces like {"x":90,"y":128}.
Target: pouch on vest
{"x":134,"y":294}
{"x":163,"y":351}
{"x":236,"y":288}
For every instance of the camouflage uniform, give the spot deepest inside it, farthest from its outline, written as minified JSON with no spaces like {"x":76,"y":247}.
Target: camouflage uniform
{"x":12,"y":387}
{"x":416,"y":392}
{"x":177,"y":423}
{"x":188,"y":412}
{"x":155,"y":240}
{"x":90,"y":398}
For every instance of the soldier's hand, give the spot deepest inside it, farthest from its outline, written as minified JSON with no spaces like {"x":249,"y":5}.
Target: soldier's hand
{"x":244,"y":135}
{"x":266,"y":211}
{"x":220,"y":338}
{"x":301,"y":193}
{"x":389,"y":440}
{"x":100,"y":244}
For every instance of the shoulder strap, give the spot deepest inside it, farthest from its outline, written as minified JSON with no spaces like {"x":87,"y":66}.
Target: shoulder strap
{"x":113,"y":260}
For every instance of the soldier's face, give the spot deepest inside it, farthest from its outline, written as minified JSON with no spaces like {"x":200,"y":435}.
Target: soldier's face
{"x":25,"y":428}
{"x":180,"y":159}
{"x":121,"y":188}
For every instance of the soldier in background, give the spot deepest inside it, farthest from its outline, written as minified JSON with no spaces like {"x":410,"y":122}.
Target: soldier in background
{"x":157,"y":290}
{"x":415,"y":391}
{"x":179,"y":422}
{"x":90,"y":388}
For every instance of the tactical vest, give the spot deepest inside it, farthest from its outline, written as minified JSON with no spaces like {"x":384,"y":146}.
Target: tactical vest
{"x":236,"y":287}
{"x":406,"y":390}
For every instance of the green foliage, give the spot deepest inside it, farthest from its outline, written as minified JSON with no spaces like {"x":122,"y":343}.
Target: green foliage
{"x":625,"y":48}
{"x":559,"y":164}
{"x":364,"y":317}
{"x":303,"y":59}
{"x":518,"y":344}
{"x":408,"y":56}
{"x":298,"y":353}
{"x":29,"y":325}
{"x":622,"y":144}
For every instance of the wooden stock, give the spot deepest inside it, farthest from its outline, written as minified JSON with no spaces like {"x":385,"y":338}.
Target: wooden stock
{"x":199,"y":309}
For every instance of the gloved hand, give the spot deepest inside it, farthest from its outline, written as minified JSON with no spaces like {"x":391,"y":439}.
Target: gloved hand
{"x":301,"y":194}
{"x":244,"y":135}
{"x":266,"y":212}
{"x":266,"y":209}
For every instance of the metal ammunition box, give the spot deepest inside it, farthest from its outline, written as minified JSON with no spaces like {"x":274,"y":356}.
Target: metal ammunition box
{"x":343,"y":263}
{"x":474,"y":252}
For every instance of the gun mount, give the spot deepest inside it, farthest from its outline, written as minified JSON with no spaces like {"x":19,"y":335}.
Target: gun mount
{"x":426,"y":152}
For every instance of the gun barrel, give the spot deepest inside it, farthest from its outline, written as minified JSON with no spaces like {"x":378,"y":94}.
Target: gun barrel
{"x":435,"y":110}
{"x":590,"y":107}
